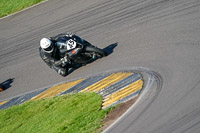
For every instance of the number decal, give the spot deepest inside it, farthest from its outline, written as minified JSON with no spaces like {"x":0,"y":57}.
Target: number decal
{"x":71,"y":44}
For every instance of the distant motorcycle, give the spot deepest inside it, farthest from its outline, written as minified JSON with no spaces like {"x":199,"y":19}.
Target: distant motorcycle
{"x":2,"y":87}
{"x":78,"y":50}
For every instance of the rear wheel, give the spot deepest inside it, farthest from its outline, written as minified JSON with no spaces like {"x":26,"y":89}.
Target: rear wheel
{"x":99,"y":52}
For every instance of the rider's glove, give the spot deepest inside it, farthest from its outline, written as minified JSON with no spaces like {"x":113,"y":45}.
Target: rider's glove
{"x":64,"y":61}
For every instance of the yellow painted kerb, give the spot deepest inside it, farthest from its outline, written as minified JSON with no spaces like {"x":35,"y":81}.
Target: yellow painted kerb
{"x":57,"y":90}
{"x":1,"y":103}
{"x":113,"y":78}
{"x":130,"y":89}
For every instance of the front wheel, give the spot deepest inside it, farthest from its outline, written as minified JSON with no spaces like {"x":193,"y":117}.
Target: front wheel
{"x":99,"y":52}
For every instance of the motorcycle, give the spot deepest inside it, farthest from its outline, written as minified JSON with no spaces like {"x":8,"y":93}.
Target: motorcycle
{"x":78,"y":50}
{"x":2,"y":87}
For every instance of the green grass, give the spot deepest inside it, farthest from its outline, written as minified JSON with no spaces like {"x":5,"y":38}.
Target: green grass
{"x":77,"y":113}
{"x":10,"y":6}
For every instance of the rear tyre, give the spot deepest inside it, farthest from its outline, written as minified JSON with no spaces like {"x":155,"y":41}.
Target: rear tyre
{"x":100,"y":52}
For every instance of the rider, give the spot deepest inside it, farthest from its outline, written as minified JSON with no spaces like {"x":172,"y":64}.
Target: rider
{"x":49,"y":52}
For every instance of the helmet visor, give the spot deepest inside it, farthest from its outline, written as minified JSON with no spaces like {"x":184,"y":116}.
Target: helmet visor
{"x":49,"y":48}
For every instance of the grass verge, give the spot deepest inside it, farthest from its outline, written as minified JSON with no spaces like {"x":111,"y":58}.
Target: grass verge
{"x":10,"y":6}
{"x":70,"y":113}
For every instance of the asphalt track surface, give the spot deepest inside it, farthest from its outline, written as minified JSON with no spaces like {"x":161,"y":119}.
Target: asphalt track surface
{"x":161,"y":36}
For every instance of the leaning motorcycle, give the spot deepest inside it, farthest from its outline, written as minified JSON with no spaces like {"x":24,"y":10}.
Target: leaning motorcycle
{"x":78,"y":51}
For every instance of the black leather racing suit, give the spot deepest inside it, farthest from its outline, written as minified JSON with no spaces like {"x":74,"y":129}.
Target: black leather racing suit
{"x":53,"y":59}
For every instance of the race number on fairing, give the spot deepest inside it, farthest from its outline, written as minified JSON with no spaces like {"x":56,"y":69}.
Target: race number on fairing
{"x":71,"y":44}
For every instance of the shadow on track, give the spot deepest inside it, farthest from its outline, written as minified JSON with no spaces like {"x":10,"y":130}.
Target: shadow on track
{"x":109,"y":49}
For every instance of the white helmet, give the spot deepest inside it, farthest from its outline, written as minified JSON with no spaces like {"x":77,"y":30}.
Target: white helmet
{"x":46,"y":45}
